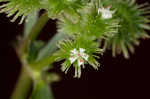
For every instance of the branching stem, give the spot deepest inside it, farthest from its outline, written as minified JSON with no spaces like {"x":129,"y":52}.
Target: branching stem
{"x":26,"y":77}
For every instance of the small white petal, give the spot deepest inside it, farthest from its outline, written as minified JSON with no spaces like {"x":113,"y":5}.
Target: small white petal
{"x":74,"y":51}
{"x":72,"y":59}
{"x":81,"y":50}
{"x":80,"y":56}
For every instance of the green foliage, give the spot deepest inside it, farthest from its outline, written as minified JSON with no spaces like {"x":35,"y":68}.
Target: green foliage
{"x":88,"y":27}
{"x":18,"y":8}
{"x":89,"y":23}
{"x":51,"y":46}
{"x":82,"y":25}
{"x":56,"y":7}
{"x":119,"y":23}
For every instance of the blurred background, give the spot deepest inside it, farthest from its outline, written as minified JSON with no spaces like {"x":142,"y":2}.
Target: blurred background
{"x":116,"y":78}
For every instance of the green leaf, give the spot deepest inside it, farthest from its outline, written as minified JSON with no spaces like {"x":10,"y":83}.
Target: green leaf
{"x":30,"y":22}
{"x":42,"y":91}
{"x":51,"y":47}
{"x":39,"y":65}
{"x":33,"y":33}
{"x":33,"y":50}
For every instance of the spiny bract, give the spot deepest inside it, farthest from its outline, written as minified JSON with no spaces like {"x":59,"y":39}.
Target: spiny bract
{"x":56,"y":8}
{"x":90,"y":22}
{"x":17,"y":8}
{"x":133,"y":23}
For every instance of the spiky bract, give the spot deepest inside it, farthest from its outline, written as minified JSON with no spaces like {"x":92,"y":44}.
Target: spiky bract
{"x":133,"y":23}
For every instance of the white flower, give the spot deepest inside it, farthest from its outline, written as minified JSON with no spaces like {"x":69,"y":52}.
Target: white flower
{"x":80,"y":56}
{"x":106,"y":13}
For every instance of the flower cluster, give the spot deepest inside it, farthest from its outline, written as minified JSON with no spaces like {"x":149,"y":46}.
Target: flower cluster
{"x":88,"y":25}
{"x":99,"y":25}
{"x":77,"y":53}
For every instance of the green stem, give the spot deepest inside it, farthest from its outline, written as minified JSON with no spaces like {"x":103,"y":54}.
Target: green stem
{"x":42,"y":90}
{"x":23,"y":85}
{"x":25,"y":80}
{"x":34,"y":32}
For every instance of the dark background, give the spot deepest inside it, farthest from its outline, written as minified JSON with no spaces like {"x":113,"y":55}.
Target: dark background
{"x":122,"y":78}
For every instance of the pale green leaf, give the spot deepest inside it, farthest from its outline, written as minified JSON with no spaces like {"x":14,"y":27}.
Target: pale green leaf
{"x":30,"y":22}
{"x":51,"y":47}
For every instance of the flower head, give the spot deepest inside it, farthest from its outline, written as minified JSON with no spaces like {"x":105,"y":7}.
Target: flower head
{"x":106,"y":13}
{"x":80,"y":57}
{"x":78,"y":53}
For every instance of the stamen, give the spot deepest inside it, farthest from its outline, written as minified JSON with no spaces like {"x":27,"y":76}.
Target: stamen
{"x":81,"y":60}
{"x":79,"y":54}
